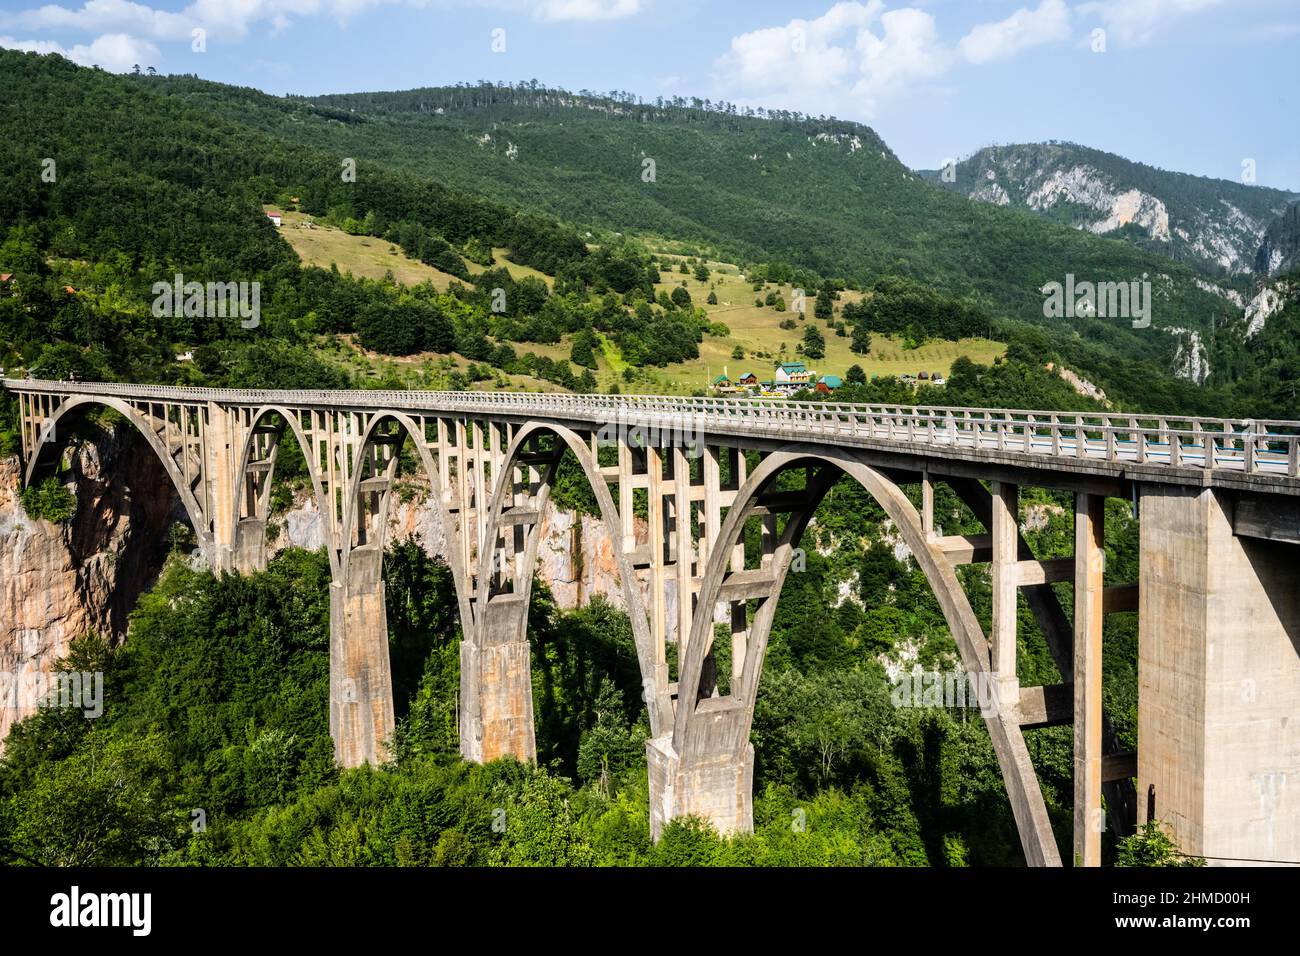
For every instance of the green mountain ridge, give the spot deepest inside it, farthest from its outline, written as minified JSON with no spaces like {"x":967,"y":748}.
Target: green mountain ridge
{"x":1214,"y":225}
{"x":163,"y":174}
{"x":822,"y":194}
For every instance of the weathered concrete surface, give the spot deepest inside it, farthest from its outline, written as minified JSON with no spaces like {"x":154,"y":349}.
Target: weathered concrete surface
{"x":500,"y":719}
{"x":716,"y":788}
{"x":361,"y":681}
{"x":1218,"y":680}
{"x":249,"y":548}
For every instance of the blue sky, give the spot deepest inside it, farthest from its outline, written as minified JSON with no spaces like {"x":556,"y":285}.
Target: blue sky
{"x":1200,"y":86}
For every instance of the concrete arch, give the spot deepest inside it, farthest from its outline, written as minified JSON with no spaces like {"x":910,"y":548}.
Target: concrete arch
{"x":414,"y":433}
{"x":658,"y":702}
{"x":727,"y":720}
{"x":294,"y":423}
{"x":49,"y":448}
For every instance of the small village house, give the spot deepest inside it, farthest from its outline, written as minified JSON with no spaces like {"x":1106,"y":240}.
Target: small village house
{"x":792,"y":377}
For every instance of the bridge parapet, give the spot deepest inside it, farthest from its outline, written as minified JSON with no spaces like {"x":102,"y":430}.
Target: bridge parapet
{"x":1173,"y":449}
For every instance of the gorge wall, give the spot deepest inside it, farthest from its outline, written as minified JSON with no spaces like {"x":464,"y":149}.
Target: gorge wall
{"x":61,"y":581}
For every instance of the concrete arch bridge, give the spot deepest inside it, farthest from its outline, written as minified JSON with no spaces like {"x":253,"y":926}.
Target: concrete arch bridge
{"x":1218,"y":595}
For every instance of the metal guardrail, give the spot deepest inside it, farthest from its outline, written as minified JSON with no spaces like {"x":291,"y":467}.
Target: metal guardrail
{"x":1240,"y":445}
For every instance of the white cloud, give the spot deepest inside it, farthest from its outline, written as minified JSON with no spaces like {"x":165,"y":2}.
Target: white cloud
{"x":586,"y":9}
{"x":859,"y":56}
{"x":1134,"y":22}
{"x":801,"y":54}
{"x":97,"y":16}
{"x":1024,"y":28}
{"x":221,"y":18}
{"x":118,"y":52}
{"x":908,"y":50}
{"x":234,"y":19}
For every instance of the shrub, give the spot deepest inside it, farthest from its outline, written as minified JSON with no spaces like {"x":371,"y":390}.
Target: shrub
{"x":49,"y":501}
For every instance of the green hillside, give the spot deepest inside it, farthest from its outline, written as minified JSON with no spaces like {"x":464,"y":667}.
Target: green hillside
{"x":824,"y":194}
{"x":161,"y":175}
{"x":819,"y":194}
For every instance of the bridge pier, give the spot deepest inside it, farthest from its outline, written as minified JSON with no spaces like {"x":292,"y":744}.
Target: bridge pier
{"x":497,"y":685}
{"x":1218,"y":679}
{"x":249,"y":551}
{"x":361,"y":682}
{"x":222,"y":480}
{"x":711,"y":782}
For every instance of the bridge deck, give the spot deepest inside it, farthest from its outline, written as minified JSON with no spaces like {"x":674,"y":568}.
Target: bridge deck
{"x":1260,"y":455}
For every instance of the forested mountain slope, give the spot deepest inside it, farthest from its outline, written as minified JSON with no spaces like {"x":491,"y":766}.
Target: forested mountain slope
{"x":823,"y":194}
{"x":1279,"y":251}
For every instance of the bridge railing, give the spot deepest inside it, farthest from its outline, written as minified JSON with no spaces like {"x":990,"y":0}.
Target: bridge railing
{"x":1251,"y":446}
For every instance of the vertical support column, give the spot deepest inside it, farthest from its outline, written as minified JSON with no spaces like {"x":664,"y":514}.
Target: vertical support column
{"x":1089,"y":539}
{"x":497,"y":686}
{"x":464,"y":529}
{"x":496,"y":672}
{"x":482,"y":492}
{"x":625,"y":489}
{"x":1218,"y":677}
{"x":711,"y":526}
{"x":684,"y":551}
{"x":1006,"y":540}
{"x":739,"y":609}
{"x":656,"y":519}
{"x":361,"y":682}
{"x":441,"y":444}
{"x":927,"y":502}
{"x":218,"y":450}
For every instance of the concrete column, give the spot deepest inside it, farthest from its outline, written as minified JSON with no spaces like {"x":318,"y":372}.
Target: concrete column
{"x":1089,"y":560}
{"x":220,"y":465}
{"x":249,"y":552}
{"x":1218,"y":680}
{"x":716,"y":785}
{"x":1005,"y":532}
{"x":497,"y":685}
{"x":361,"y":682}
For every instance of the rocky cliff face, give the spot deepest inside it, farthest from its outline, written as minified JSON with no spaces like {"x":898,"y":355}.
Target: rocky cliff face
{"x":1279,"y":250}
{"x":58,"y":582}
{"x":1215,"y":225}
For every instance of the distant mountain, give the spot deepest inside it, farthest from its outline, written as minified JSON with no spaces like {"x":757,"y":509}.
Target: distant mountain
{"x":812,"y":192}
{"x":1279,"y":251}
{"x":1215,"y":225}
